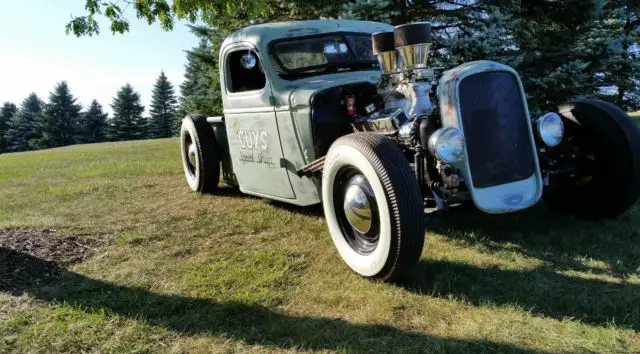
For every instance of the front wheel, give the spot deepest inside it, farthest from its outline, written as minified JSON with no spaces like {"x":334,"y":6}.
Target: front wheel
{"x":373,"y":206}
{"x":605,"y":146}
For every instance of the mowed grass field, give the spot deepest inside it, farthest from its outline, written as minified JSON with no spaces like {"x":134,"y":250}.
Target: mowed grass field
{"x":175,"y":271}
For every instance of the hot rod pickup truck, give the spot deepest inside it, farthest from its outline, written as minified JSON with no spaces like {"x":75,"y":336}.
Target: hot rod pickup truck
{"x":350,"y":114}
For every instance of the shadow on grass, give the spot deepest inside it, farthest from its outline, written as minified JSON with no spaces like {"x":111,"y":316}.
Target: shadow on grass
{"x":232,"y":192}
{"x":542,"y":291}
{"x":564,"y":244}
{"x":250,"y":323}
{"x":313,"y":210}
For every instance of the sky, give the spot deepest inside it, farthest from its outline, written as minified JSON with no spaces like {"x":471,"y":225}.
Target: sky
{"x":36,"y":53}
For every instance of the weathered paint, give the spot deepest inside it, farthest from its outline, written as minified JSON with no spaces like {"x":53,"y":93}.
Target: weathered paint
{"x":254,"y":140}
{"x":281,"y":111}
{"x":497,"y":199}
{"x":262,"y":35}
{"x":296,"y":130}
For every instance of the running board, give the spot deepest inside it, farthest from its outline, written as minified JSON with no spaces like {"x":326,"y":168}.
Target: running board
{"x":312,"y":169}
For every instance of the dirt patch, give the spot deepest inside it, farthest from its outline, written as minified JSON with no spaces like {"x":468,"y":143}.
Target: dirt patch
{"x":47,"y":245}
{"x":31,"y":258}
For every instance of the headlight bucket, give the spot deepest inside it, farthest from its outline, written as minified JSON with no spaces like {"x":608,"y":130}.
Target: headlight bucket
{"x":550,"y":129}
{"x":447,"y":144}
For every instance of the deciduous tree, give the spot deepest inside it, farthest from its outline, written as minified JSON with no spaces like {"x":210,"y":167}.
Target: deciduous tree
{"x":164,"y":11}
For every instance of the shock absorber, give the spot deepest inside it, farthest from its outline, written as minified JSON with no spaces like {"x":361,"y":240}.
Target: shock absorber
{"x":418,"y":159}
{"x":432,"y":179}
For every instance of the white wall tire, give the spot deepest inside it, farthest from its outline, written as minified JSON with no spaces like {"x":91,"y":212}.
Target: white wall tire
{"x":199,"y":156}
{"x":399,"y":216}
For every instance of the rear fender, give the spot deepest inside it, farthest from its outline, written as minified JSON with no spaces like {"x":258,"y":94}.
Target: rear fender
{"x":219,"y":128}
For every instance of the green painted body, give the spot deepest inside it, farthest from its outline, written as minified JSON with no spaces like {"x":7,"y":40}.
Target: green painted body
{"x":267,"y":135}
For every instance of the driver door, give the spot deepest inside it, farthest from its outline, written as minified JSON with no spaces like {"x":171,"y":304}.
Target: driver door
{"x":252,"y":129}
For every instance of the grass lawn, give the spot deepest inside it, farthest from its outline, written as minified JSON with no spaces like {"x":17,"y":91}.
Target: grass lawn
{"x":178,"y":272}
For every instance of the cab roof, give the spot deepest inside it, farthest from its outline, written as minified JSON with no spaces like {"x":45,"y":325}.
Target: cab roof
{"x":263,"y":34}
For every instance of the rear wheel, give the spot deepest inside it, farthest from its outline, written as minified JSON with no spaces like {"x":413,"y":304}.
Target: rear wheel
{"x":373,"y":206}
{"x":604,"y":144}
{"x":199,"y":156}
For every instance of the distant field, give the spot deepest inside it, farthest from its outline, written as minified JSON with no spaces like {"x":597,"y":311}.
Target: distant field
{"x":173,"y":271}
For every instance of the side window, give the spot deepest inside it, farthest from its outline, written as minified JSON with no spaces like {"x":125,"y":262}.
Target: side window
{"x":244,"y":73}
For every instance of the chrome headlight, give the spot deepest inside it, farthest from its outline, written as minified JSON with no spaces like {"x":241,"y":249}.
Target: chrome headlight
{"x":447,"y":144}
{"x":550,"y":129}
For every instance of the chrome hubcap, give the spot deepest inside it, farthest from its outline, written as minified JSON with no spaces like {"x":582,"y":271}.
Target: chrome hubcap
{"x":357,"y":207}
{"x":191,"y":152}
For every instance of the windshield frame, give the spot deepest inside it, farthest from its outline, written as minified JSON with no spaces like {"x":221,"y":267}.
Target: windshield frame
{"x":330,"y":68}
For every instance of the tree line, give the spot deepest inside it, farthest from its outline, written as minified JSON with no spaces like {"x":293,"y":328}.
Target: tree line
{"x":61,"y":121}
{"x":561,"y":49}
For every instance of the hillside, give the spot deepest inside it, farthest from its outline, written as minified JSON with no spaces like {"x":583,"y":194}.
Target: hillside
{"x":151,"y":266}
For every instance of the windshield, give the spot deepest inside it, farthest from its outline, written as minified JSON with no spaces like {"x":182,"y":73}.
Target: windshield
{"x":324,"y":54}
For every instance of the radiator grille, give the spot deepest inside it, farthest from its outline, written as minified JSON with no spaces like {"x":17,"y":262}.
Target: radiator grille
{"x":499,"y":146}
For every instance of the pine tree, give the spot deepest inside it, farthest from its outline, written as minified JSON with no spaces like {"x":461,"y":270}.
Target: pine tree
{"x":58,"y":123}
{"x":200,"y":90}
{"x":561,"y":49}
{"x":163,"y":109}
{"x":7,"y":112}
{"x":619,"y":75}
{"x":187,"y":87}
{"x":380,"y":11}
{"x":93,"y":124}
{"x":20,"y":127}
{"x":127,"y":122}
{"x":576,"y":48}
{"x":180,"y":114}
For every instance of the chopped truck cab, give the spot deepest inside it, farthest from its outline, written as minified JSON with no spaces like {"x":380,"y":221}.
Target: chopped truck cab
{"x":350,"y":114}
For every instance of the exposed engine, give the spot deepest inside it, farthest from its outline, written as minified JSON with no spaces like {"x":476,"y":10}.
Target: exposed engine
{"x":466,"y":132}
{"x":410,"y":86}
{"x":420,"y":108}
{"x":406,"y":88}
{"x":406,"y":109}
